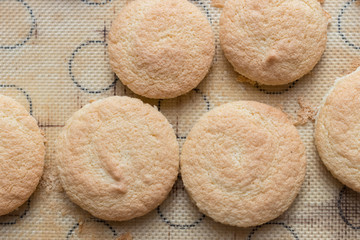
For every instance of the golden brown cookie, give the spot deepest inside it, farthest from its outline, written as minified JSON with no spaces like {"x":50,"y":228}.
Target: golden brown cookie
{"x":273,"y":42}
{"x":337,"y":130}
{"x":22,"y":153}
{"x":243,"y":163}
{"x":161,"y":48}
{"x":117,"y":158}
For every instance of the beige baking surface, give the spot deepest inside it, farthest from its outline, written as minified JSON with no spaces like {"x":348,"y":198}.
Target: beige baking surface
{"x":53,"y":59}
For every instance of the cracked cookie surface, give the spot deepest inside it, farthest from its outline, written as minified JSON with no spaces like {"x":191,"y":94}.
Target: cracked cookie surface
{"x":337,"y":130}
{"x":117,"y":158}
{"x":22,"y":153}
{"x":243,"y":163}
{"x":273,"y":42}
{"x":161,"y":48}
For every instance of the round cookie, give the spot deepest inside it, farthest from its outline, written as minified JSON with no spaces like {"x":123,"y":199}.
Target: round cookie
{"x":22,"y":153}
{"x":337,"y":130}
{"x":161,"y":48}
{"x":117,"y":158}
{"x":243,"y":163}
{"x":273,"y":42}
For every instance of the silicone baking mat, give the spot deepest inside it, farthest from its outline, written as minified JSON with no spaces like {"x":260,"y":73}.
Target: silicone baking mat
{"x":53,"y":59}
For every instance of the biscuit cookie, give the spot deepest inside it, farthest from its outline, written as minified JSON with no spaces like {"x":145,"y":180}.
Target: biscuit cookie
{"x":337,"y":130}
{"x":161,"y":48}
{"x":273,"y":42}
{"x":117,"y":158}
{"x":243,"y":163}
{"x":21,"y":156}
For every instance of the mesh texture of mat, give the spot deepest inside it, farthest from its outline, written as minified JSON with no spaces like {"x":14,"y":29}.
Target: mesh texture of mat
{"x":53,"y":60}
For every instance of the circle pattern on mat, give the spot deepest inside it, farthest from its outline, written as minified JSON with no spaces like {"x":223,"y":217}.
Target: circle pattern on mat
{"x":97,"y":3}
{"x":266,"y":231}
{"x":16,"y":18}
{"x":89,"y":229}
{"x":349,"y":207}
{"x":13,"y":217}
{"x":348,"y":17}
{"x":13,"y":91}
{"x":178,"y":205}
{"x":89,"y":66}
{"x":177,"y":110}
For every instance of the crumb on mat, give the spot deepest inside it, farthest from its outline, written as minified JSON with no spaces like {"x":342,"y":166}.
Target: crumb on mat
{"x":125,"y":236}
{"x":306,"y":113}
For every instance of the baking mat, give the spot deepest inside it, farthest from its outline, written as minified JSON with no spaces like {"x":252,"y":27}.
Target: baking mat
{"x":53,"y":59}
